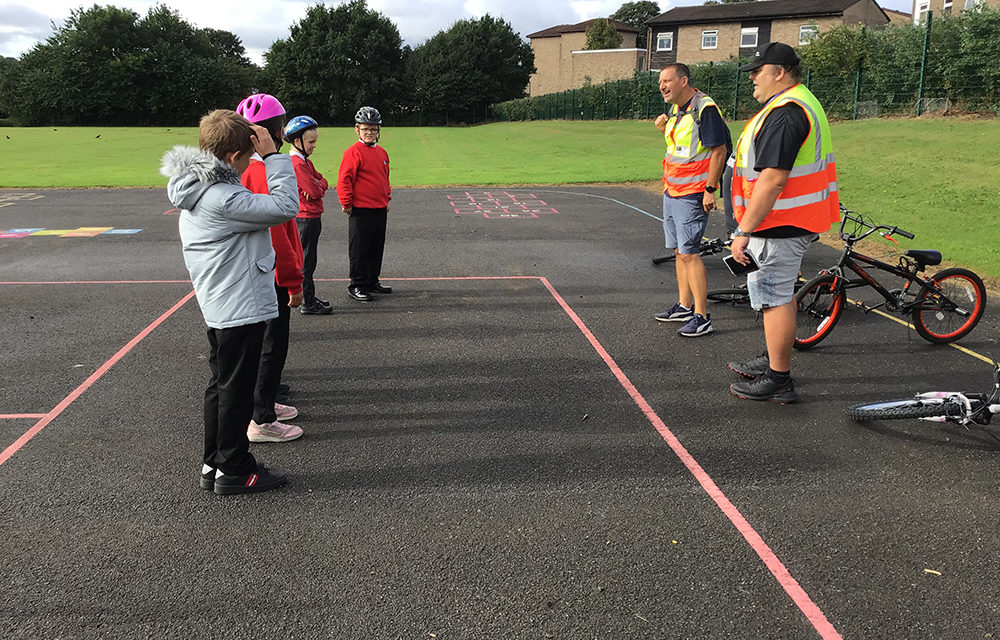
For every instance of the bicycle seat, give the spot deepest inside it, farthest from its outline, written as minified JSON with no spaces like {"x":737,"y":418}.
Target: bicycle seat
{"x":925,"y":257}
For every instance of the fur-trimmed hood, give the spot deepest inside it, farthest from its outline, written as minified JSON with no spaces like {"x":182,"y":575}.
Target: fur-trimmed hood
{"x":192,"y":171}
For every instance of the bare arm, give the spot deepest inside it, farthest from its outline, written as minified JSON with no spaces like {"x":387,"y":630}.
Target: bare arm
{"x":715,"y":168}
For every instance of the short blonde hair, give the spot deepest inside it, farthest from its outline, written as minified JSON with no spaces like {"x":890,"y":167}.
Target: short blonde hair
{"x":221,"y":132}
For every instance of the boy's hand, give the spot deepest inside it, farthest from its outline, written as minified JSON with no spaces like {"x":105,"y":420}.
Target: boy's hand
{"x":295,"y":300}
{"x":262,"y":141}
{"x":347,"y":210}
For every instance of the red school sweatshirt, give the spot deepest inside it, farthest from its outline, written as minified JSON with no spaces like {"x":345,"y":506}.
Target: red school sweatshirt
{"x":364,"y":177}
{"x":312,"y":184}
{"x":284,"y":237}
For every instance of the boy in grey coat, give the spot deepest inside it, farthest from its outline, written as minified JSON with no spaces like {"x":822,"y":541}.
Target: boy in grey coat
{"x":227,"y":250}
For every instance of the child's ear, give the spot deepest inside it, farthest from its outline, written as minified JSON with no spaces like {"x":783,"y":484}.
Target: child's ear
{"x":232,"y":157}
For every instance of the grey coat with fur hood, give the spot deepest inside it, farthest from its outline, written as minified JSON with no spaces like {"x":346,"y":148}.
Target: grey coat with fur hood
{"x":224,"y":232}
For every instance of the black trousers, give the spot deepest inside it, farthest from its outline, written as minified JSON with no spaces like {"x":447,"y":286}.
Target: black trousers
{"x":365,"y":245}
{"x":309,"y":230}
{"x":272,"y":360}
{"x":234,"y":359}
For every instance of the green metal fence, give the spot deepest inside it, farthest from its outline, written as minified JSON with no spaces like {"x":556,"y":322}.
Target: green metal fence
{"x":909,"y":87}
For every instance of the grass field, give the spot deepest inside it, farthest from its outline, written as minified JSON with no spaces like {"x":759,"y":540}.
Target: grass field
{"x":935,"y":177}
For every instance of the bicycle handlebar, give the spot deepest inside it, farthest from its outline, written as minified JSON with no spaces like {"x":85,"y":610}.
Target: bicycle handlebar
{"x":850,"y":237}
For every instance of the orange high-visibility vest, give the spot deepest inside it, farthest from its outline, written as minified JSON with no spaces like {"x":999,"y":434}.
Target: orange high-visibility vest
{"x":809,"y":199}
{"x":685,"y":165}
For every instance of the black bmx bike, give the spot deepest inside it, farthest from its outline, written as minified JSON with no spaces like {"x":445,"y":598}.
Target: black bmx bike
{"x":942,"y":308}
{"x":707,"y":248}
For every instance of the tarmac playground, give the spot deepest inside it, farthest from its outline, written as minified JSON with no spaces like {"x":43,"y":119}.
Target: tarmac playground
{"x":508,"y":446}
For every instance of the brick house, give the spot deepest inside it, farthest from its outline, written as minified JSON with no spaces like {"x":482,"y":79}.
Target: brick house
{"x":945,"y":7}
{"x":562,"y":63}
{"x":719,"y":32}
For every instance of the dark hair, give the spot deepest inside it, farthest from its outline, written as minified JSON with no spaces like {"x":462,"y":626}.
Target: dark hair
{"x":222,"y":132}
{"x":274,"y":126}
{"x":793,"y":70}
{"x":681,"y":70}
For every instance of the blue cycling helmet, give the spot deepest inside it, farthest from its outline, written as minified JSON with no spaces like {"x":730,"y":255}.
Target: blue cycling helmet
{"x":298,"y":126}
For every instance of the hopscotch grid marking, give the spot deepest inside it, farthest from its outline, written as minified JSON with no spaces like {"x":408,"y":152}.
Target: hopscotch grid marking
{"x":791,"y":586}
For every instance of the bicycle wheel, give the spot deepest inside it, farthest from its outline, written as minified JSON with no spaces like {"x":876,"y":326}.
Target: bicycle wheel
{"x":819,"y":305}
{"x":953,"y":309}
{"x":904,"y":409}
{"x":733,"y":295}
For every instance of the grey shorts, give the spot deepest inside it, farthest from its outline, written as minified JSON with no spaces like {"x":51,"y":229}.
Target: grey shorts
{"x":780,"y":260}
{"x":684,"y":222}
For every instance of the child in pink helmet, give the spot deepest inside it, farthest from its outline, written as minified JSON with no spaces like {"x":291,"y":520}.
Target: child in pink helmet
{"x":265,"y":110}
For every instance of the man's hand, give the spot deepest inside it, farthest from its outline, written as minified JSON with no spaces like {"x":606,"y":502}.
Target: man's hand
{"x":661,"y":122}
{"x":295,"y":300}
{"x":347,"y":210}
{"x":262,"y":141}
{"x":708,"y":201}
{"x":737,"y":247}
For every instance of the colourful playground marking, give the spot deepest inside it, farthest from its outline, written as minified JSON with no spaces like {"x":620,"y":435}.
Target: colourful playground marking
{"x":499,"y":204}
{"x":80,"y":232}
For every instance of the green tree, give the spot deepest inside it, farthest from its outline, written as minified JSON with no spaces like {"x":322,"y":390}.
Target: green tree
{"x":458,"y":72}
{"x":335,"y":60}
{"x":635,"y":14}
{"x":601,"y":34}
{"x":7,"y":66}
{"x":106,"y":66}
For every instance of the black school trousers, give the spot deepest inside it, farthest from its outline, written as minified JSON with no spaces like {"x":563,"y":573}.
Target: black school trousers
{"x":272,"y":359}
{"x":233,"y":359}
{"x":365,"y":245}
{"x":309,"y":231}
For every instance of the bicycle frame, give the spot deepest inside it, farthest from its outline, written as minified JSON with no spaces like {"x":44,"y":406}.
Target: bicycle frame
{"x":893,"y":301}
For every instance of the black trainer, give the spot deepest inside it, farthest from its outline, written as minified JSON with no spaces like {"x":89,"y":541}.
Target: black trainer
{"x":321,"y":301}
{"x":359,"y":294}
{"x":752,"y":368}
{"x":765,"y":388}
{"x":260,"y":480}
{"x":380,"y":288}
{"x":315,"y":309}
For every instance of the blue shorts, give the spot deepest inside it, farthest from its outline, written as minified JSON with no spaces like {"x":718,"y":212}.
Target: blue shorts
{"x":780,"y":260}
{"x":684,"y":222}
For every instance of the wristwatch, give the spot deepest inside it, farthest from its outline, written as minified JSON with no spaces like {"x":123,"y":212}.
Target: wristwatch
{"x":740,"y":233}
{"x":710,"y":189}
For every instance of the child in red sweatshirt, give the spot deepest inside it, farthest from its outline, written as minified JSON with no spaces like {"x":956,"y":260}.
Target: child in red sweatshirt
{"x":364,"y":193}
{"x":266,"y":111}
{"x":302,"y":132}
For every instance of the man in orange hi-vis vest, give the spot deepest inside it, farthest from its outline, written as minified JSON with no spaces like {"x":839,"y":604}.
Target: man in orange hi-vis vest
{"x":697,"y":142}
{"x":784,"y":194}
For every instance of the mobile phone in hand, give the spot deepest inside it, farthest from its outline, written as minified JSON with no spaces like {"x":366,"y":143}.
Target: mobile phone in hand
{"x":738,"y":269}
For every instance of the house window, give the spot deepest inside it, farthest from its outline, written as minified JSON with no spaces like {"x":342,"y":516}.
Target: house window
{"x":748,"y":37}
{"x":808,"y":33}
{"x":710,"y":39}
{"x":920,"y":15}
{"x":971,"y":3}
{"x":665,"y":41}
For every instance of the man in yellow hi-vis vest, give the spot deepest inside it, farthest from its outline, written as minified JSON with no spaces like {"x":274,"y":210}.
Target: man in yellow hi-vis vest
{"x":697,"y":141}
{"x":784,"y":194}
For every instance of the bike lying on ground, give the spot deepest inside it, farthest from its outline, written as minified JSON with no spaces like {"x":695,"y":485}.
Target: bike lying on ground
{"x":937,"y":406}
{"x":707,"y":248}
{"x":943,"y":308}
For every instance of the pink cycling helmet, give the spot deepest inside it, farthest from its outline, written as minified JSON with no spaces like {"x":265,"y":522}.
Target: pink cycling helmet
{"x":260,"y":107}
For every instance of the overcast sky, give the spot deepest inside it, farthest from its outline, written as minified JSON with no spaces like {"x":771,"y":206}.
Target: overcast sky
{"x":260,"y":22}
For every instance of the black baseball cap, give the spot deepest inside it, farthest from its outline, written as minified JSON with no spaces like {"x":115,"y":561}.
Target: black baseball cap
{"x":771,"y":53}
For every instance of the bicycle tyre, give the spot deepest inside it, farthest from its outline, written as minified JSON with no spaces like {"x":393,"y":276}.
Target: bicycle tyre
{"x":732,"y":295}
{"x":819,"y":304}
{"x":937,"y":324}
{"x":909,"y":408}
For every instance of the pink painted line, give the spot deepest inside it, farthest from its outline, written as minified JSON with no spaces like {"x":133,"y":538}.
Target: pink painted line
{"x":89,"y":382}
{"x":789,"y":584}
{"x":21,"y":416}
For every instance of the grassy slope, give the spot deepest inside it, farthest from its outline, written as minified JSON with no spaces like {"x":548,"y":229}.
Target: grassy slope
{"x":934,"y":177}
